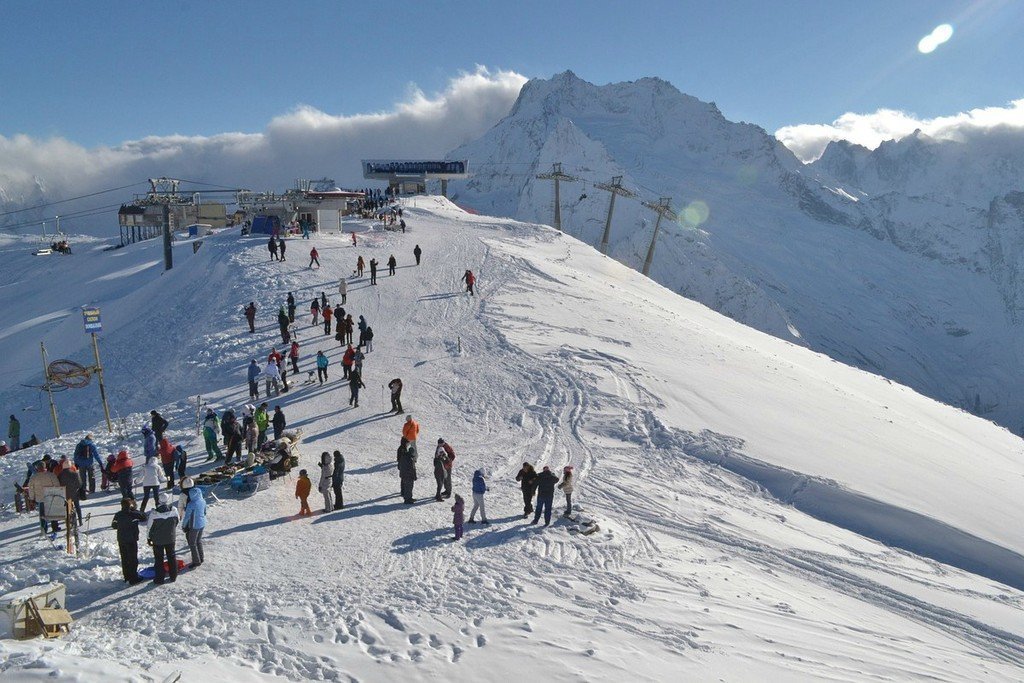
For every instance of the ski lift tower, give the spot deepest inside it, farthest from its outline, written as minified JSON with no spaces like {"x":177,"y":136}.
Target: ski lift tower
{"x":406,"y":176}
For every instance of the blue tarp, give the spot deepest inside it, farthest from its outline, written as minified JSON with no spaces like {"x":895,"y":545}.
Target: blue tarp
{"x":265,"y":225}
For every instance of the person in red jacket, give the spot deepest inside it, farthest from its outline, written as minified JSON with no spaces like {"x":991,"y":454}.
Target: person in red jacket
{"x":314,"y":257}
{"x":274,"y":356}
{"x":293,"y":355}
{"x":328,"y":314}
{"x":347,"y":360}
{"x":166,"y":451}
{"x":470,"y":280}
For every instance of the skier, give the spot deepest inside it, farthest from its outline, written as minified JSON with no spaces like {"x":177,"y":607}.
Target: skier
{"x":85,"y":455}
{"x":321,"y":366}
{"x":373,"y":271}
{"x":546,"y":481}
{"x":126,"y":522}
{"x":278,"y":423}
{"x":343,"y":290}
{"x":281,"y":247}
{"x":446,"y":454}
{"x":338,"y":480}
{"x":282,"y":323}
{"x":254,"y":376}
{"x":250,"y":316}
{"x":262,"y":420}
{"x":479,"y":489}
{"x":567,"y":484}
{"x":527,"y":477}
{"x":158,"y":423}
{"x":162,"y":523}
{"x":291,"y":307}
{"x":395,"y":386}
{"x":193,"y":523}
{"x":355,"y":383}
{"x":417,"y":252}
{"x":459,"y":510}
{"x":391,"y":265}
{"x":346,"y":361}
{"x":302,"y":489}
{"x":411,"y":429}
{"x":470,"y":280}
{"x":272,"y":248}
{"x":407,"y":469}
{"x":326,"y":484}
{"x":369,"y":339}
{"x":152,"y":479}
{"x":328,"y":314}
{"x":210,"y":427}
{"x":41,"y":480}
{"x":360,"y":264}
{"x":314,"y":257}
{"x":314,"y":308}
{"x":72,"y":483}
{"x":272,"y":377}
{"x":293,"y":356}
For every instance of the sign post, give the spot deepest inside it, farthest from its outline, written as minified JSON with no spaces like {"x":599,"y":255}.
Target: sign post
{"x":94,"y":324}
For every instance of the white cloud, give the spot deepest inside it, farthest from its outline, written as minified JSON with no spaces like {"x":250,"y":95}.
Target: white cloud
{"x":305,"y":142}
{"x":809,"y":140}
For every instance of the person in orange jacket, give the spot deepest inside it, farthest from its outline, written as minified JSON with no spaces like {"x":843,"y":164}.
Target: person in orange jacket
{"x":302,"y":488}
{"x":314,"y":257}
{"x":166,"y":451}
{"x":327,"y":313}
{"x":411,"y":429}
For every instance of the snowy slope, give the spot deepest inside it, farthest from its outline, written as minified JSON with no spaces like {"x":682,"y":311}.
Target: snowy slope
{"x":888,"y":260}
{"x":682,"y":424}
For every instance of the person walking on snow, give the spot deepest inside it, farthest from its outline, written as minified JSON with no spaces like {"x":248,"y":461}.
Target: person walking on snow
{"x":326,"y":485}
{"x":527,"y":477}
{"x":85,"y":455}
{"x":193,"y":523}
{"x":395,"y":386}
{"x":321,"y":366}
{"x":446,"y":454}
{"x":343,"y":290}
{"x":369,"y":339}
{"x":291,"y":307}
{"x":302,"y":489}
{"x":349,"y":326}
{"x":126,"y":521}
{"x":362,"y":330}
{"x":546,"y":481}
{"x":250,"y":316}
{"x":407,"y":469}
{"x":373,"y":271}
{"x":328,"y":313}
{"x":355,"y":383}
{"x":360,"y":265}
{"x":338,"y":480}
{"x":272,"y":248}
{"x":162,"y":523}
{"x":210,"y":427}
{"x":272,"y":376}
{"x":41,"y":480}
{"x":282,"y":323}
{"x":323,"y":300}
{"x":458,"y":515}
{"x":293,"y":356}
{"x":346,"y":361}
{"x":254,"y":377}
{"x":152,"y":479}
{"x":479,"y":489}
{"x":417,"y":252}
{"x":166,"y":451}
{"x":567,"y":484}
{"x":314,"y":257}
{"x":281,"y":247}
{"x":470,"y":280}
{"x":314,"y":308}
{"x":353,"y":238}
{"x":278,"y":423}
{"x":392,"y":263}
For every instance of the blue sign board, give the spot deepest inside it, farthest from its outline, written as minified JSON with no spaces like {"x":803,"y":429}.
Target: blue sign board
{"x":91,"y":316}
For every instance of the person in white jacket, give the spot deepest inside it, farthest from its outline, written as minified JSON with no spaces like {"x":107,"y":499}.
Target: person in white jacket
{"x":325,"y":484}
{"x":567,"y":485}
{"x":343,"y":290}
{"x":273,"y":376}
{"x":153,"y":479}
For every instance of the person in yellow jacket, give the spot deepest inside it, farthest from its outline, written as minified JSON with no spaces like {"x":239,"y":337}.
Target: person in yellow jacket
{"x":262,"y":422}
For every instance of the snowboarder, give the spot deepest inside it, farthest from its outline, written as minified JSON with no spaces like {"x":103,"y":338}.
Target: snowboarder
{"x":446,"y":455}
{"x":338,"y":480}
{"x":373,"y":271}
{"x":152,"y":479}
{"x":343,"y":290}
{"x":211,"y":426}
{"x":321,"y":366}
{"x":254,"y":376}
{"x":417,"y":252}
{"x":250,"y":316}
{"x":162,"y":523}
{"x":546,"y":481}
{"x":314,"y":308}
{"x":326,"y":484}
{"x":278,"y":423}
{"x":567,"y":484}
{"x":411,"y":429}
{"x":355,"y":383}
{"x":272,"y":248}
{"x":302,"y":488}
{"x":459,"y":512}
{"x":291,"y":307}
{"x":126,"y":521}
{"x":470,"y":280}
{"x":479,"y":489}
{"x":360,"y":264}
{"x":527,"y":477}
{"x":392,"y":263}
{"x":407,"y":469}
{"x":272,"y":377}
{"x":314,"y":257}
{"x":158,"y":424}
{"x":395,"y":386}
{"x":281,"y":247}
{"x":193,"y":523}
{"x":85,"y":455}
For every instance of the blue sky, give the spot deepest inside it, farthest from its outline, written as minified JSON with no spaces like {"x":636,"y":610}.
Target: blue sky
{"x":99,"y":73}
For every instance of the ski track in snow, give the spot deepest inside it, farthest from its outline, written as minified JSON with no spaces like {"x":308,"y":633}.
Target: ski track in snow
{"x":695,"y":569}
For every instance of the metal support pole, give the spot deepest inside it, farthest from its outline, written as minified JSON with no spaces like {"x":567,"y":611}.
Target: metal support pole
{"x":168,"y":260}
{"x":616,"y":188}
{"x":662,"y":208}
{"x":650,"y":249}
{"x":557,"y":175}
{"x":558,"y":207}
{"x":49,"y":391}
{"x":99,"y":376}
{"x":608,"y":225}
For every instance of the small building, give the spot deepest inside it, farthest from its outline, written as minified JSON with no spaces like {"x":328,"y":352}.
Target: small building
{"x":410,"y":176}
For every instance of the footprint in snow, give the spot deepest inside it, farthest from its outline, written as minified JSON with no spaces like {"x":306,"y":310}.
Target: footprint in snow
{"x":481,"y":640}
{"x":415,"y":638}
{"x":435,"y":642}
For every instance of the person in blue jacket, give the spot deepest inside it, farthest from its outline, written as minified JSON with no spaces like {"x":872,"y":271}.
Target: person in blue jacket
{"x":85,"y":455}
{"x":254,"y":376}
{"x":193,"y":523}
{"x":479,"y":489}
{"x":148,"y":442}
{"x":321,"y":366}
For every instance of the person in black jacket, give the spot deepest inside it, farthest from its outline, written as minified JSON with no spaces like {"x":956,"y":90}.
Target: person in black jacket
{"x":355,"y":383}
{"x":338,"y":480}
{"x":233,"y":438}
{"x":407,"y":470}
{"x":163,"y":522}
{"x":391,"y":265}
{"x":159,"y":424}
{"x":546,"y":482}
{"x":127,"y":521}
{"x":527,"y":477}
{"x":291,"y":307}
{"x":417,"y":252}
{"x":278,"y":422}
{"x":395,"y":386}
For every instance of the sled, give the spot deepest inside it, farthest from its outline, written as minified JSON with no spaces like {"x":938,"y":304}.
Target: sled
{"x":149,"y":573}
